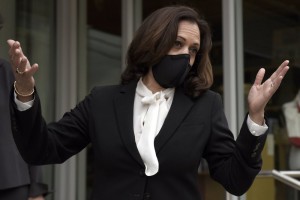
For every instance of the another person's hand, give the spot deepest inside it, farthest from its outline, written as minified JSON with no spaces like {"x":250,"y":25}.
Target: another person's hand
{"x":37,"y":198}
{"x":260,"y":93}
{"x":23,"y":71}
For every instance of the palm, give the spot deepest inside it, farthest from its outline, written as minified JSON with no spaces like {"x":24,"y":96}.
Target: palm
{"x":260,"y":93}
{"x":258,"y":96}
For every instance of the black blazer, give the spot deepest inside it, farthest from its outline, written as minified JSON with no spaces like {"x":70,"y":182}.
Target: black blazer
{"x":194,"y":128}
{"x":14,"y":171}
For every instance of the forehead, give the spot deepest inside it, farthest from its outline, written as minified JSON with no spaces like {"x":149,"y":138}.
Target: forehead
{"x":189,"y":30}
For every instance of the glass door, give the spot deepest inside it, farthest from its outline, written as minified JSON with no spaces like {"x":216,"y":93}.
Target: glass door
{"x":271,"y":30}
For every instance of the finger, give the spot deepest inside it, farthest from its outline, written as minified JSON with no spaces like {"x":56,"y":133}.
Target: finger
{"x":279,"y":79}
{"x":22,"y":65}
{"x":15,"y":48}
{"x":32,"y":69}
{"x":18,"y":46}
{"x":10,"y":42}
{"x":24,"y":69}
{"x":281,"y":70}
{"x":14,"y":52}
{"x":259,"y":76}
{"x":11,"y":48}
{"x":16,"y":59}
{"x":274,"y":86}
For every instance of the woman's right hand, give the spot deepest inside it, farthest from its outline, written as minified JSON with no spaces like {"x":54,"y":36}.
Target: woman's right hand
{"x":23,"y":71}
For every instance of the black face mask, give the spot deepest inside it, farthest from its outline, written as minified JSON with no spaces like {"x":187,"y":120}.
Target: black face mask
{"x":171,"y":70}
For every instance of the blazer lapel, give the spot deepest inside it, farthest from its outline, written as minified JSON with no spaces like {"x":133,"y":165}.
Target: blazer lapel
{"x":124,"y":111}
{"x":179,"y":109}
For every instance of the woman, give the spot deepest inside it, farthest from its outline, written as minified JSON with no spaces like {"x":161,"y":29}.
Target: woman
{"x":150,"y":132}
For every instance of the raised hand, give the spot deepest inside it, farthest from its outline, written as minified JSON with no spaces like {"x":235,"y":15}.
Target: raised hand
{"x":260,"y":93}
{"x":24,"y":81}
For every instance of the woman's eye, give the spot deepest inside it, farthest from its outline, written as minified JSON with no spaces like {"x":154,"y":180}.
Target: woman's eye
{"x":194,"y":50}
{"x":177,"y":44}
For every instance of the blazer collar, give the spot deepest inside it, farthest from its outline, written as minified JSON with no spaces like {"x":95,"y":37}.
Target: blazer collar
{"x":124,"y":110}
{"x":124,"y":103}
{"x":180,"y":107}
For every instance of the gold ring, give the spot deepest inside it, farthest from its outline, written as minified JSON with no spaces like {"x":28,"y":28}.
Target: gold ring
{"x":18,"y":71}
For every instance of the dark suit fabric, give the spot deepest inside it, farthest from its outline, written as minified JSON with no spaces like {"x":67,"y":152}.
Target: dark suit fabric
{"x":14,"y":172}
{"x":194,"y":128}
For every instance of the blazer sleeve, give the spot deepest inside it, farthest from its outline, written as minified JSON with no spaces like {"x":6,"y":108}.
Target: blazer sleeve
{"x":234,"y":164}
{"x":37,"y":187}
{"x":40,"y":143}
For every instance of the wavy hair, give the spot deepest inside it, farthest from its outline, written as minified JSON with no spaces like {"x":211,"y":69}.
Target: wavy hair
{"x":156,"y":36}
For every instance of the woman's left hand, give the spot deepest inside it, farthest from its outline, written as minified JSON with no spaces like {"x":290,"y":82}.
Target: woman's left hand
{"x":260,"y":93}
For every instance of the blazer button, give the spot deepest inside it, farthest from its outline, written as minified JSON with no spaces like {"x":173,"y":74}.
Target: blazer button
{"x":253,"y":154}
{"x":256,"y":147}
{"x":146,"y":196}
{"x":142,"y":172}
{"x":136,"y":197}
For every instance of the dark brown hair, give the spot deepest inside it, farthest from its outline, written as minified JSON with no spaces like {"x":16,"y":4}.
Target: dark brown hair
{"x":154,"y":39}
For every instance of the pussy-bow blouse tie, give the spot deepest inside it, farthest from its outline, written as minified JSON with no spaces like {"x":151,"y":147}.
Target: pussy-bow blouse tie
{"x":151,"y":124}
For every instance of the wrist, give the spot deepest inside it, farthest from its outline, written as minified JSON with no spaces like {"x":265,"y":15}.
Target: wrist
{"x":258,"y":118}
{"x":23,"y":95}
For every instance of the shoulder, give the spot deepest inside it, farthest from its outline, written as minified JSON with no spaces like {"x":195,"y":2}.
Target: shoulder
{"x":209,"y":95}
{"x":103,"y":93}
{"x":113,"y":89}
{"x":210,"y":100}
{"x":105,"y":90}
{"x":98,"y":96}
